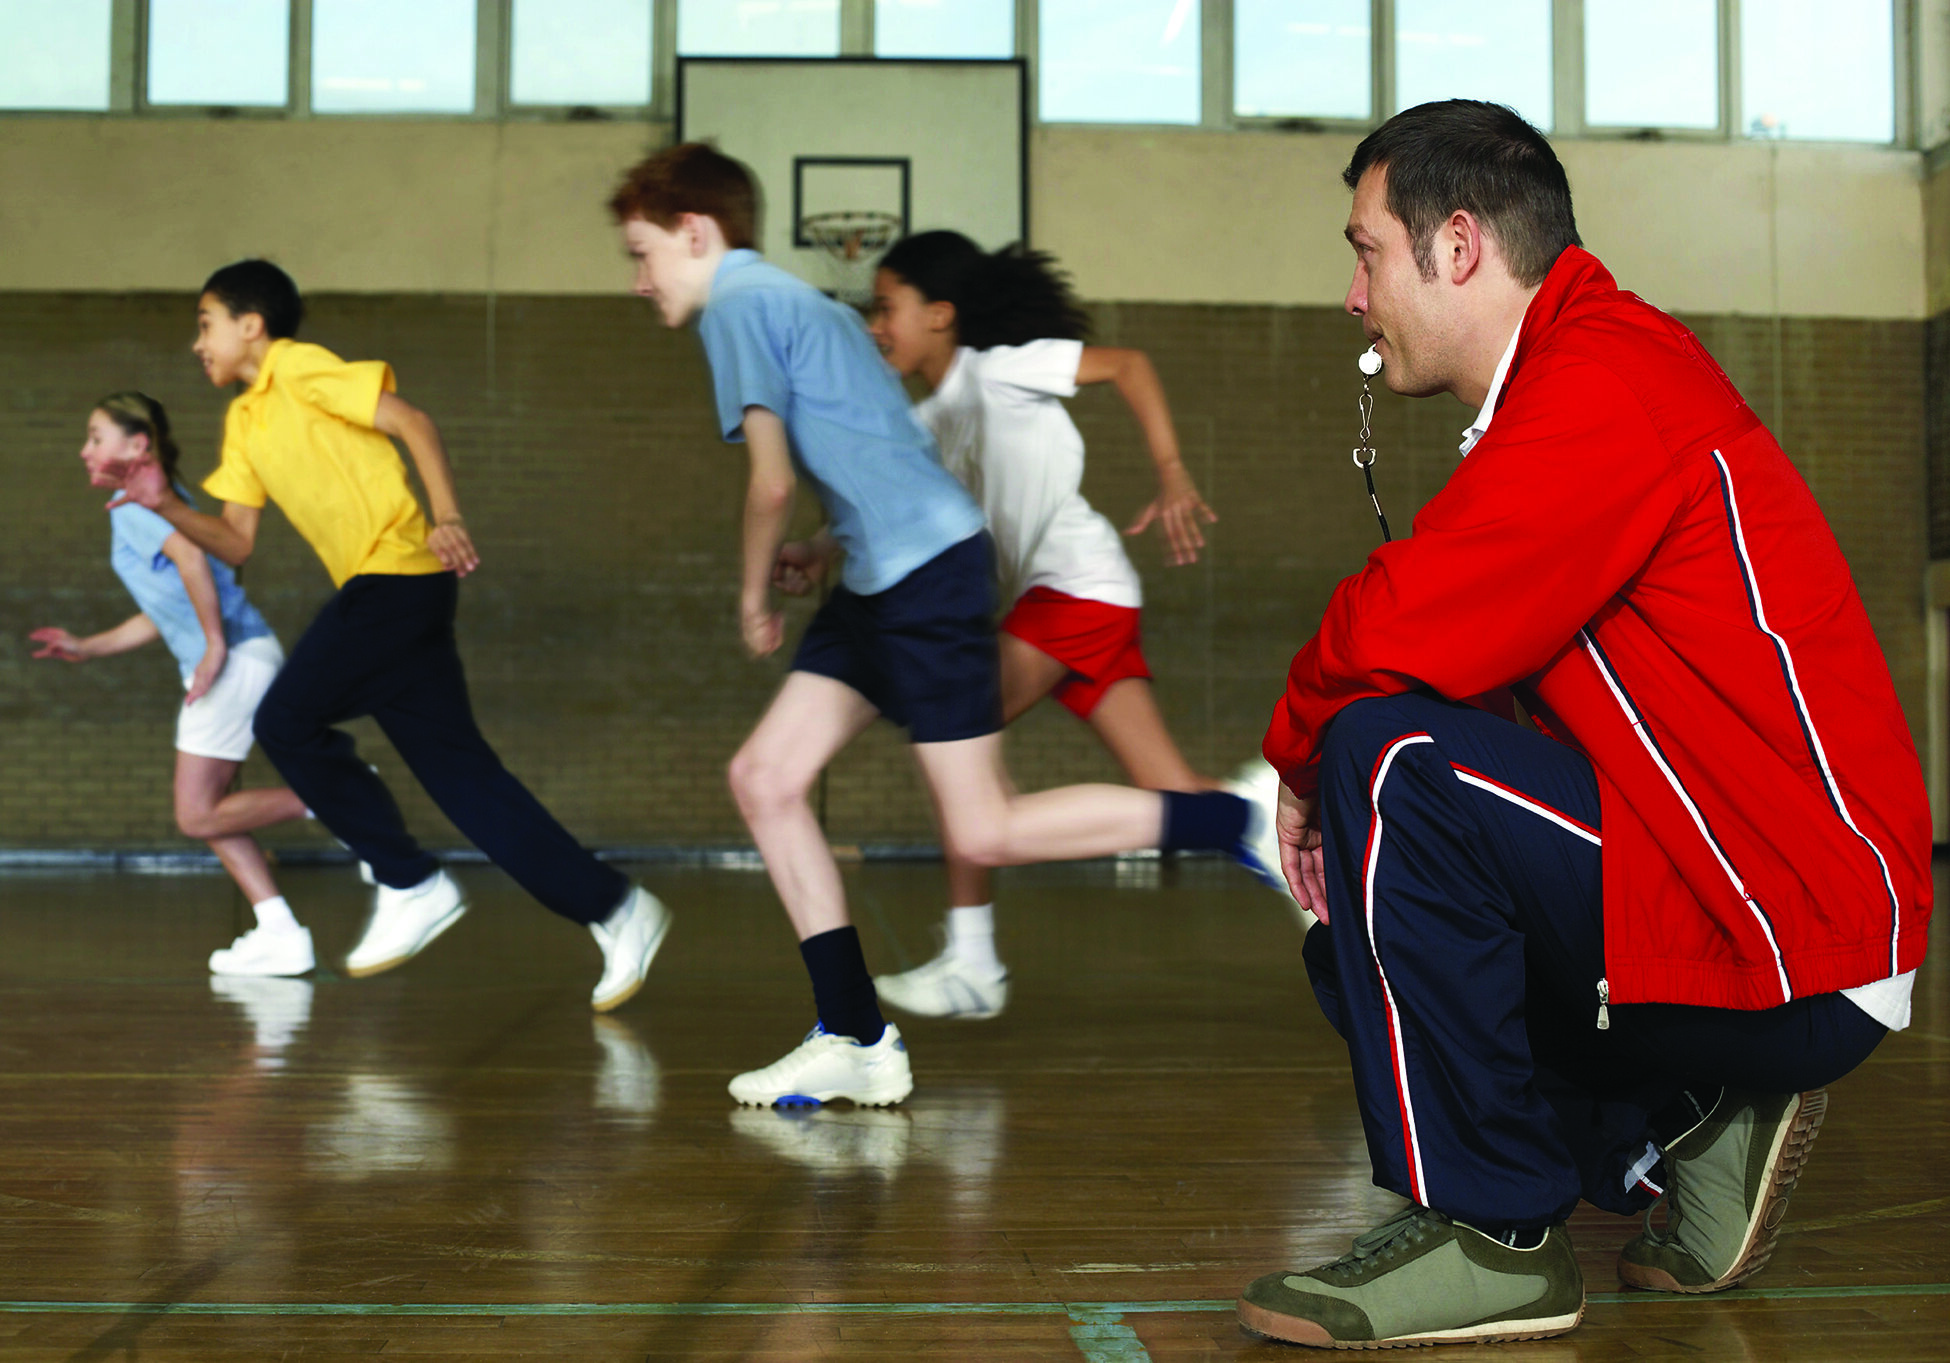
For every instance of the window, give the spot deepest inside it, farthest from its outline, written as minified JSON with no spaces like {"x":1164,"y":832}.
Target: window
{"x":758,"y":28}
{"x":1499,"y":52}
{"x":1119,"y":61}
{"x":1817,"y":70}
{"x":944,"y":28}
{"x":1652,"y":63}
{"x":54,"y":56}
{"x":220,"y":52}
{"x":1302,"y":59}
{"x":381,"y":56}
{"x":592,"y":52}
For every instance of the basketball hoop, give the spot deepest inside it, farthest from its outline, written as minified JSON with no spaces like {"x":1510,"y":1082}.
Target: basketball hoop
{"x":852,"y":243}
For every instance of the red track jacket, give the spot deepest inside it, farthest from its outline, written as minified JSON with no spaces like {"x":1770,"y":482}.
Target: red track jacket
{"x":1630,"y":551}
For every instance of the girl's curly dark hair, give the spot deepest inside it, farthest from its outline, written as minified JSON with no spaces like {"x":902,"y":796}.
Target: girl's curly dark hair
{"x":1006,"y":297}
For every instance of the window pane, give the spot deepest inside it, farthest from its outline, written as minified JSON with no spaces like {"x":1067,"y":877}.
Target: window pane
{"x":758,"y":28}
{"x":580,"y":52}
{"x":1302,"y":59}
{"x":1652,"y":63}
{"x":1119,"y":61}
{"x":382,"y":56}
{"x":944,"y":28}
{"x":229,"y":52}
{"x":1500,"y":52}
{"x":54,"y":56}
{"x":1817,"y":70}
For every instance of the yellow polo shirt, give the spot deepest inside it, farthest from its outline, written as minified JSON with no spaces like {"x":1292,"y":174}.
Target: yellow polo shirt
{"x":301,"y":435}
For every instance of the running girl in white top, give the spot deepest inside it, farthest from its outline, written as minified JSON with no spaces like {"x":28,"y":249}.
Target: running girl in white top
{"x":227,"y":656}
{"x":998,"y":339}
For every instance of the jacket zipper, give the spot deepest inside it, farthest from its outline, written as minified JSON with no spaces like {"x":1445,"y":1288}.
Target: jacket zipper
{"x":1604,"y":1010}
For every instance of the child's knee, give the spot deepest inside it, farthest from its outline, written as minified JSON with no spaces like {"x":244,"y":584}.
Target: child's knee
{"x":762,"y":786}
{"x":985,"y":844}
{"x":194,"y":821}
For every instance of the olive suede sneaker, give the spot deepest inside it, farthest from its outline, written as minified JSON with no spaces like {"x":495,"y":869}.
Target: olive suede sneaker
{"x":1420,"y":1278}
{"x":1728,"y":1181}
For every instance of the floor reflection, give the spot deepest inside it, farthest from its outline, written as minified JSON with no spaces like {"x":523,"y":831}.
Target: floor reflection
{"x":277,"y":1009}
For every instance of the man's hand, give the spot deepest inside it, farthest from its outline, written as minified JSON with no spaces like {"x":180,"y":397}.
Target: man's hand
{"x":454,"y":548}
{"x":1178,"y":511}
{"x":58,"y":643}
{"x":141,"y":482}
{"x":801,"y":566}
{"x":206,"y":673}
{"x":762,"y":627}
{"x":1300,"y":858}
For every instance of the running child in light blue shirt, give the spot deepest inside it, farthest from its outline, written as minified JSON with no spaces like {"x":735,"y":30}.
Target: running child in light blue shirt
{"x":228,"y":657}
{"x":908,"y":634}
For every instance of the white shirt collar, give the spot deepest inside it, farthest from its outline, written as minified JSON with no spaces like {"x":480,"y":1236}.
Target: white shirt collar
{"x":1480,"y":427}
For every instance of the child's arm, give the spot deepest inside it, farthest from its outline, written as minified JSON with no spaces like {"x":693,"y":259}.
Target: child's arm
{"x":201,"y":586}
{"x":413,"y":428}
{"x":1177,"y":508}
{"x":768,"y":509}
{"x":133,"y":632}
{"x":231,"y":536}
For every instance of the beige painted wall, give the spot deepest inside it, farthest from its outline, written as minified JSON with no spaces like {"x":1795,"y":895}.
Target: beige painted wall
{"x":463,"y":207}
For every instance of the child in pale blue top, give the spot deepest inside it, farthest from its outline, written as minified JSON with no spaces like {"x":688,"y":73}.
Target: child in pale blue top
{"x":228,"y":657}
{"x":776,"y":342}
{"x":153,"y":579}
{"x":909,"y":634}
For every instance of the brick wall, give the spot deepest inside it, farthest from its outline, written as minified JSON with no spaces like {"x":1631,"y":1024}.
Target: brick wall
{"x":600,"y":635}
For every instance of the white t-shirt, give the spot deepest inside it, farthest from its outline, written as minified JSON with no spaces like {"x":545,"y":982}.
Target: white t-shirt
{"x":1003,"y":431}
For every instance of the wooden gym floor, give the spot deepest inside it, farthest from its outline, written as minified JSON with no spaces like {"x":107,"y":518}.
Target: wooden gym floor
{"x":458,"y":1160}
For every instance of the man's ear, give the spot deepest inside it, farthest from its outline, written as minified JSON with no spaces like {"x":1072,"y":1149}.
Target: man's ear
{"x":1462,"y":246}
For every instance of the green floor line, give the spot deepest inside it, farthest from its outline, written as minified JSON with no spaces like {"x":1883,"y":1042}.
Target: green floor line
{"x":1098,"y":1310}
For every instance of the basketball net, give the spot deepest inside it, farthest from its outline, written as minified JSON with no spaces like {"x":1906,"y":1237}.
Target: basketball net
{"x":852,"y":244}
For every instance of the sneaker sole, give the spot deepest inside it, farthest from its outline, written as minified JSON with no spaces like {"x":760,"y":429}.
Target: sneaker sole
{"x":1791,"y":1148}
{"x":872,"y":1098}
{"x":360,"y":972}
{"x":1257,"y":1320}
{"x":628,"y":992}
{"x":285,"y":974}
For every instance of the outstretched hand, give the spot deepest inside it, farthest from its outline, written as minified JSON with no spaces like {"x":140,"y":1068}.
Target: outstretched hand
{"x":1178,"y":511}
{"x":58,"y":643}
{"x":140,"y":482}
{"x":1298,"y":822}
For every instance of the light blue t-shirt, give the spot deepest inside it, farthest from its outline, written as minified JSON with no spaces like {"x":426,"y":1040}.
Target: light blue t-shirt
{"x":152,"y":579}
{"x":776,"y":342}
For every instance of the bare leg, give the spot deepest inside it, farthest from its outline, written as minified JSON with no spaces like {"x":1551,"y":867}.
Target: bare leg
{"x":204,"y":811}
{"x":984,"y":822}
{"x":809,"y":722}
{"x":1128,"y":722}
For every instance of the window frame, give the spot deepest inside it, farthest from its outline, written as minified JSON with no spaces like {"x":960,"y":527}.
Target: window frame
{"x":493,"y":70}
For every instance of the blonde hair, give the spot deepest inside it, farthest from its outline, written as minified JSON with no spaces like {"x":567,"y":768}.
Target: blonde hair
{"x":139,"y":414}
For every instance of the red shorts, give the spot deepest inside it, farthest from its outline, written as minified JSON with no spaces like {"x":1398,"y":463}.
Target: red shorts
{"x":1097,"y":642}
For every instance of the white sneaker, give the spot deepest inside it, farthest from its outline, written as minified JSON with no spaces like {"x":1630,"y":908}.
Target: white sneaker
{"x":824,"y":1067}
{"x":404,"y":922}
{"x":629,"y":939}
{"x":945,"y":987}
{"x":1259,"y":785}
{"x":266,"y":951}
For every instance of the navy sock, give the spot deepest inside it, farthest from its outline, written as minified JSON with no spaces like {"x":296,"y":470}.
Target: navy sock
{"x":842,"y":988}
{"x":1203,"y":821}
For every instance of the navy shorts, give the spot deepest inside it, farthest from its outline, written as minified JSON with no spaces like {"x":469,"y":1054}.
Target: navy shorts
{"x":922,"y":652}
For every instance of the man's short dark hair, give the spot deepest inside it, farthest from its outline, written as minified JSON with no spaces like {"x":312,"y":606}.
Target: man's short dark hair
{"x":259,"y":286}
{"x":1484,"y":159}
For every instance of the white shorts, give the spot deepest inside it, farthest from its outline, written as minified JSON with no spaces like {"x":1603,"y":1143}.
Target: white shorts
{"x":219,"y":724}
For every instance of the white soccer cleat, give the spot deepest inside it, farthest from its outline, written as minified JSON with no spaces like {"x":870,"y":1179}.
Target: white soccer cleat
{"x":404,"y":922}
{"x":824,"y":1067}
{"x":266,"y":951}
{"x":945,"y":987}
{"x":629,"y":939}
{"x":1259,"y":852}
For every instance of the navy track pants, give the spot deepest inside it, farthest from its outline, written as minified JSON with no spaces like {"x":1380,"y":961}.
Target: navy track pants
{"x":1463,"y":866}
{"x":384,"y":646}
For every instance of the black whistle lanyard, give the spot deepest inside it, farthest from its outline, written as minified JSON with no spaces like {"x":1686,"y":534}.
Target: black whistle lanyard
{"x":1364,"y":457}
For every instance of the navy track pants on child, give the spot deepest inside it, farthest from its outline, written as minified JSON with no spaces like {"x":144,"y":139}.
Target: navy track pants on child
{"x":384,"y":646}
{"x":1462,"y":858}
